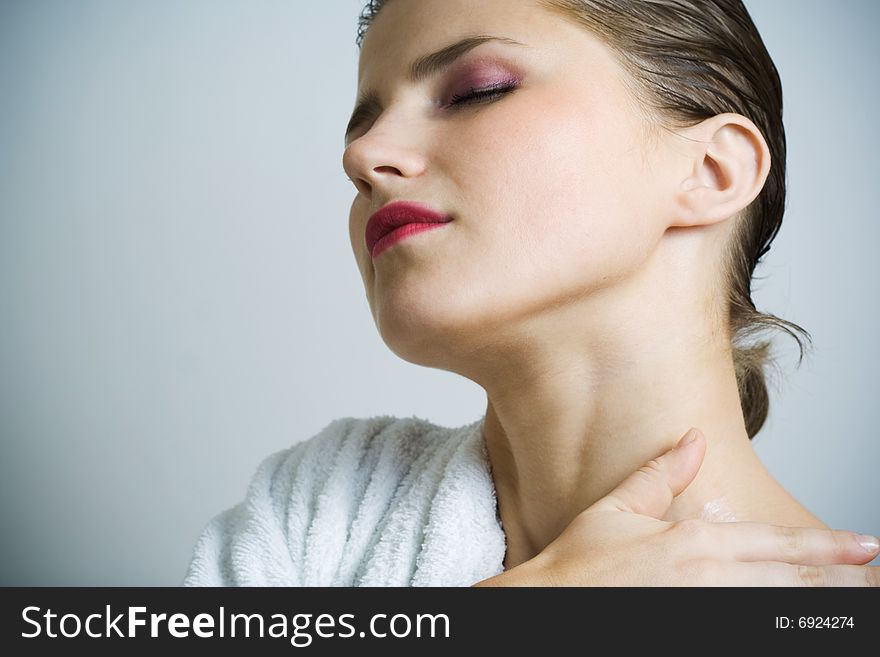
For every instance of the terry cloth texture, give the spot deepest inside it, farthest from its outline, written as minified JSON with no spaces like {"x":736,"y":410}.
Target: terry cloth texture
{"x":381,"y":501}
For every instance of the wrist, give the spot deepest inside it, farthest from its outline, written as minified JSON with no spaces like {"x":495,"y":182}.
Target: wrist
{"x":528,"y":573}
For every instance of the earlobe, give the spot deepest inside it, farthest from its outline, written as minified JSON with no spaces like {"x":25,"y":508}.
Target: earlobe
{"x":729,"y":162}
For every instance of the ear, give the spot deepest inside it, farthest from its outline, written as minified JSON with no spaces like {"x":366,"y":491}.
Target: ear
{"x":728,"y":162}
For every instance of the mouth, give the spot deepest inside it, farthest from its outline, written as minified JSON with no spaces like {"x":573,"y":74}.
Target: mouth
{"x":398,"y":220}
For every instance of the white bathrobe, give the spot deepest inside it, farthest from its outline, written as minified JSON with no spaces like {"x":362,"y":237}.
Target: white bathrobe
{"x":380,"y":501}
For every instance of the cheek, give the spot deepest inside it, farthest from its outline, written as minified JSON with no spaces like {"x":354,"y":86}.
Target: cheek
{"x":566,"y":183}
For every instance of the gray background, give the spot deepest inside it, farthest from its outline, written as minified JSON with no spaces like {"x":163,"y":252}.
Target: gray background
{"x":179,"y":298}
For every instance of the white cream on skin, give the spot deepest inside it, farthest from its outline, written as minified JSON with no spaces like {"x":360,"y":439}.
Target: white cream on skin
{"x":717,"y":510}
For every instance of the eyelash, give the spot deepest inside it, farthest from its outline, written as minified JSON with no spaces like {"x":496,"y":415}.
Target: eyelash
{"x":483,"y":95}
{"x":486,"y":94}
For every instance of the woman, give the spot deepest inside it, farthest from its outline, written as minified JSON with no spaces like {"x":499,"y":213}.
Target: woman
{"x":564,"y":201}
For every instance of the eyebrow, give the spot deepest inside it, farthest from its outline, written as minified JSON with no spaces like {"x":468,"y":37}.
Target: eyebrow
{"x":424,"y":67}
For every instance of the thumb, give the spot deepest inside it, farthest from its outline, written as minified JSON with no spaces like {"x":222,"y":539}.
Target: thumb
{"x":650,"y":490}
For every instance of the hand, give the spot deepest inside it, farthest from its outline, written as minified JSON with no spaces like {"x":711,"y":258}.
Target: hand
{"x":622,"y":541}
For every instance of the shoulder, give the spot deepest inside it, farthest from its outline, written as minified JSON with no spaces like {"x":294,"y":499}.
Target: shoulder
{"x":358,"y":445}
{"x":313,"y":506}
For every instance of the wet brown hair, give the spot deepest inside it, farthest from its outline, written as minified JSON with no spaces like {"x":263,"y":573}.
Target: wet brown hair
{"x":691,"y":60}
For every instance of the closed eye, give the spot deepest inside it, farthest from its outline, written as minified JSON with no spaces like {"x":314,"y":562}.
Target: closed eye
{"x":482,"y":95}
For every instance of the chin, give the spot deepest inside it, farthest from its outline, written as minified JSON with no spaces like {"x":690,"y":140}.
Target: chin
{"x":422,"y":331}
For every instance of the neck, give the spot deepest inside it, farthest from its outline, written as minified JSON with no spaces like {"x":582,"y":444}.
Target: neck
{"x":571,"y":415}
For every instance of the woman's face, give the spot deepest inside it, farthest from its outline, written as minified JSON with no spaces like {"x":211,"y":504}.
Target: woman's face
{"x":555,"y":189}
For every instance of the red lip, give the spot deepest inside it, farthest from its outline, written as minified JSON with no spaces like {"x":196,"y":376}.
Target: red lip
{"x":397,"y":214}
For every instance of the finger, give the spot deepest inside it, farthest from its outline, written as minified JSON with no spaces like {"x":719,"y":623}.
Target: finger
{"x":772,"y":573}
{"x":756,"y":541}
{"x":650,"y":489}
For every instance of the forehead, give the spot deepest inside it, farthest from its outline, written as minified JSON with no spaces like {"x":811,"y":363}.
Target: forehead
{"x":405,"y":29}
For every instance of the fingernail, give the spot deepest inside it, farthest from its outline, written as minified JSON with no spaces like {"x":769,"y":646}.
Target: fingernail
{"x":687,"y":439}
{"x":869,"y":543}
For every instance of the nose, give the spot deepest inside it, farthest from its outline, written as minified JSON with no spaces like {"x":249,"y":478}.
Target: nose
{"x":378,"y":160}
